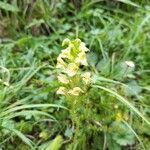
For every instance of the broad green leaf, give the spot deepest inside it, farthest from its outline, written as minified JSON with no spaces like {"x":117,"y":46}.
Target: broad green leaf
{"x":122,"y":135}
{"x":56,"y":143}
{"x":112,"y":145}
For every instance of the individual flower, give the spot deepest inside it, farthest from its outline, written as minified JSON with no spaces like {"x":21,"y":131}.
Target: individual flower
{"x":66,"y":42}
{"x":63,"y":79}
{"x":119,"y":116}
{"x":75,"y":91}
{"x":71,"y":69}
{"x":130,"y":64}
{"x":81,"y":59}
{"x":86,"y":77}
{"x":66,"y":53}
{"x":61,"y":90}
{"x":60,"y":63}
{"x":82,"y":47}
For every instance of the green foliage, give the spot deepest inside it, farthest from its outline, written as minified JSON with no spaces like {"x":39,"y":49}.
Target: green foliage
{"x":114,"y":112}
{"x":56,"y":143}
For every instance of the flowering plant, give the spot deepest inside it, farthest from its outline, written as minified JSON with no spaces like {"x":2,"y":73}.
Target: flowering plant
{"x":74,"y":81}
{"x":69,"y":62}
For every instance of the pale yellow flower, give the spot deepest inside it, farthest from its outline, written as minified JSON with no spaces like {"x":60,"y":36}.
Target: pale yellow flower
{"x":71,"y":46}
{"x":63,"y":79}
{"x":86,"y":77}
{"x":66,"y":42}
{"x":60,"y":62}
{"x":81,"y":59}
{"x":66,"y":53}
{"x":75,"y":91}
{"x":61,"y":90}
{"x":71,"y":69}
{"x":83,"y":47}
{"x":119,"y":116}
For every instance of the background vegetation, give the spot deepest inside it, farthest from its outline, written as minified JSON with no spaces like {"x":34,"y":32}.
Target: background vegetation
{"x":32,"y":116}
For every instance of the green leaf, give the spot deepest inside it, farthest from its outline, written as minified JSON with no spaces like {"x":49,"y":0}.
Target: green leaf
{"x":132,"y":89}
{"x":92,"y":58}
{"x":56,"y":143}
{"x":8,"y":7}
{"x":112,"y":145}
{"x":20,"y":135}
{"x":69,"y":132}
{"x":122,"y":135}
{"x":12,"y":110}
{"x":35,"y":22}
{"x":103,"y":66}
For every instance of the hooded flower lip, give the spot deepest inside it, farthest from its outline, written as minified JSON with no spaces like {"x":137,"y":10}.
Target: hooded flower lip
{"x":71,"y":69}
{"x":61,"y":90}
{"x":60,"y":63}
{"x":66,"y":53}
{"x":63,"y":79}
{"x":82,"y":47}
{"x":75,"y":91}
{"x":81,"y":59}
{"x":66,"y":42}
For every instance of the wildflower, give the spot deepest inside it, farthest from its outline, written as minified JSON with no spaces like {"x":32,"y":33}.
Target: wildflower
{"x":66,"y":53}
{"x":130,"y":64}
{"x":75,"y":91}
{"x":60,"y":63}
{"x":63,"y":79}
{"x":71,"y":69}
{"x":119,"y":116}
{"x":61,"y":90}
{"x":81,"y":59}
{"x":86,"y":77}
{"x":83,"y":48}
{"x":66,"y":42}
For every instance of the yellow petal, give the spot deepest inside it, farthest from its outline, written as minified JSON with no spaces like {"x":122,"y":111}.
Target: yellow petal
{"x":119,"y":116}
{"x":63,"y":79}
{"x":75,"y":91}
{"x":61,"y":90}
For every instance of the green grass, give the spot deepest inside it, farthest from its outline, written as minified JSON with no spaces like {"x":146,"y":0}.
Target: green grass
{"x":32,"y":116}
